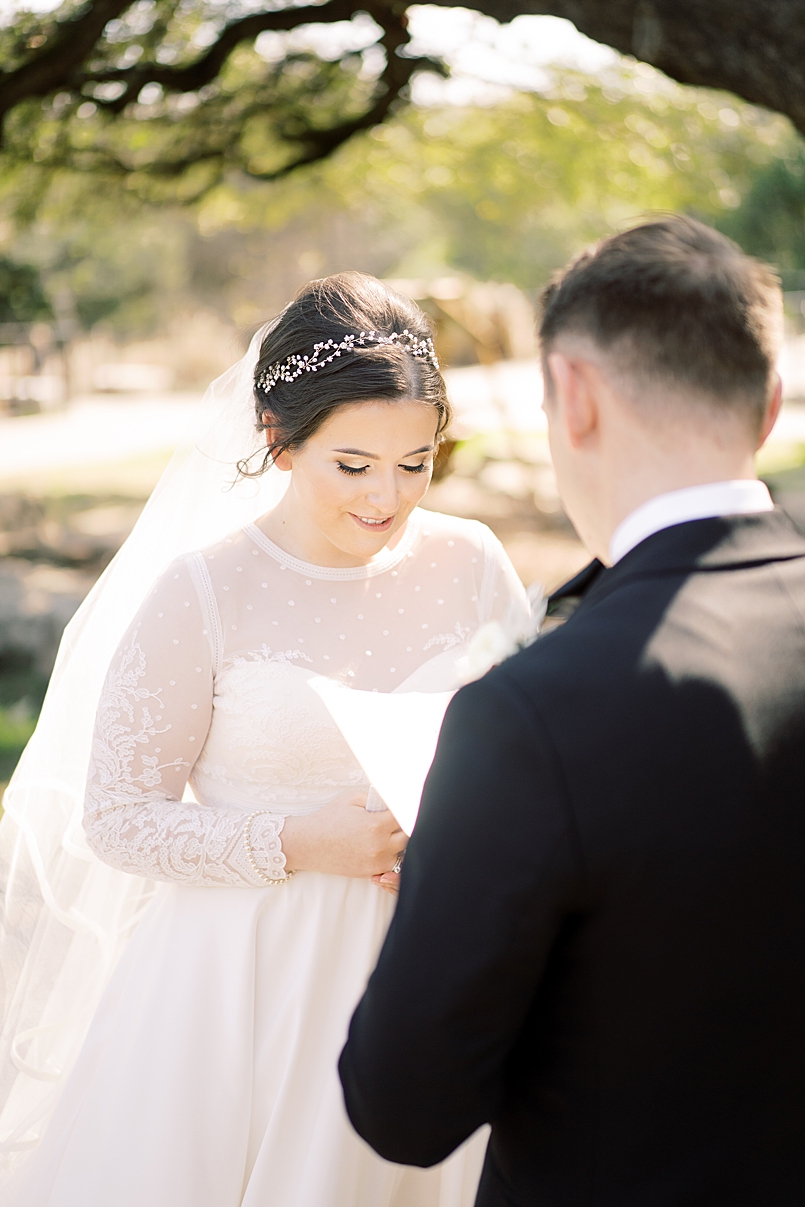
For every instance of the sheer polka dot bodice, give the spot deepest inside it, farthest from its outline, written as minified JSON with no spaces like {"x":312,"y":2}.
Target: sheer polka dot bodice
{"x":210,"y":685}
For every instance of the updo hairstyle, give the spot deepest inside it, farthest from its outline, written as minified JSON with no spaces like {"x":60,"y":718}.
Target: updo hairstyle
{"x":331,"y":309}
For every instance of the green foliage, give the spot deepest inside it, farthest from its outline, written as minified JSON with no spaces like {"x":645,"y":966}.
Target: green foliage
{"x":16,"y":727}
{"x":103,"y":254}
{"x":770,"y":221}
{"x":22,"y":690}
{"x":253,"y":119}
{"x":509,"y":192}
{"x":114,"y":279}
{"x":171,"y":96}
{"x":505,"y":192}
{"x":22,"y":299}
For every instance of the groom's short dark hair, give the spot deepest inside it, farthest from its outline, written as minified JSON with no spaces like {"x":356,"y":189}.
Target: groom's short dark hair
{"x":676,"y":304}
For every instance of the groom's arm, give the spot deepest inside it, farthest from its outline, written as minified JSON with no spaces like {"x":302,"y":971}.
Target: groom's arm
{"x":490,"y":872}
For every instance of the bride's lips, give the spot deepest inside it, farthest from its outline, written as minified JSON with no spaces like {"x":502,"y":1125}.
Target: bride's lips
{"x":369,"y":524}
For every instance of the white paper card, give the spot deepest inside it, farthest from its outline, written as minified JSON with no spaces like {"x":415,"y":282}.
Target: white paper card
{"x":392,"y":735}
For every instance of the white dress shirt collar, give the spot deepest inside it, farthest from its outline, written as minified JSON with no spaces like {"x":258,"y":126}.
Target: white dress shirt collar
{"x":738,"y":497}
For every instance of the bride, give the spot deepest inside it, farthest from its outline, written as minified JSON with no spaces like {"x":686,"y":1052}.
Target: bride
{"x":207,"y":1075}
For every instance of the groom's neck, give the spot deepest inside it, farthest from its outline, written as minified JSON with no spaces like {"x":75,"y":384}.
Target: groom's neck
{"x":634,"y":485}
{"x":640,"y":463}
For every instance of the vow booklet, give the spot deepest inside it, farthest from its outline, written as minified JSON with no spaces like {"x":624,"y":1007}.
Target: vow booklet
{"x":393,"y":737}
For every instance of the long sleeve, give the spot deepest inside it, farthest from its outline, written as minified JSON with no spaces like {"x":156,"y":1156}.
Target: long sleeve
{"x":153,"y":718}
{"x":490,"y":874}
{"x":503,"y":597}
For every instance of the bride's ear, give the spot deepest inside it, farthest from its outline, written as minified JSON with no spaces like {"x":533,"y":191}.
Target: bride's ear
{"x":281,"y":460}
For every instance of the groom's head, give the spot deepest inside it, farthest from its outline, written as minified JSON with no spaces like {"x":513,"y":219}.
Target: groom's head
{"x":659,"y":348}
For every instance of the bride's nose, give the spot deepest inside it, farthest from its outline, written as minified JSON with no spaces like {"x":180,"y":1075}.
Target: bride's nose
{"x":384,"y":494}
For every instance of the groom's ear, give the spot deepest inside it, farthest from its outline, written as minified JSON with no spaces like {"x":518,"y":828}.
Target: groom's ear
{"x":772,"y":412}
{"x":574,"y":397}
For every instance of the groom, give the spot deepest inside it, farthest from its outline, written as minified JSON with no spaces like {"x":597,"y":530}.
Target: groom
{"x":600,"y":939}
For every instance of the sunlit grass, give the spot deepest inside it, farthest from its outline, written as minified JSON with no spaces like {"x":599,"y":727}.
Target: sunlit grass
{"x":135,"y":477}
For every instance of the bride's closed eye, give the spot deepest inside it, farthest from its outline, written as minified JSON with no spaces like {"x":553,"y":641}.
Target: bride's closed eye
{"x":353,"y":470}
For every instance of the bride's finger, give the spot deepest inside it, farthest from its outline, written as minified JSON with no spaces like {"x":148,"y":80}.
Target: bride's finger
{"x":390,"y":881}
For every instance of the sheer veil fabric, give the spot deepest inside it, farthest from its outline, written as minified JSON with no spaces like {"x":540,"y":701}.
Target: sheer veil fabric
{"x":66,"y":917}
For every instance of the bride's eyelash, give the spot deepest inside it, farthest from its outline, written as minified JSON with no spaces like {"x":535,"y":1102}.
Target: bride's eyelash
{"x":354,"y":470}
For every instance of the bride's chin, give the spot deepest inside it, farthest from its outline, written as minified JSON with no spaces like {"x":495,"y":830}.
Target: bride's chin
{"x":362,"y":542}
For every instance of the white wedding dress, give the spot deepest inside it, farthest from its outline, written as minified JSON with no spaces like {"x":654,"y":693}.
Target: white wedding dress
{"x":208,"y":1077}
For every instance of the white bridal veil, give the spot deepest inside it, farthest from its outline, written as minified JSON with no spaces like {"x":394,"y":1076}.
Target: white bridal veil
{"x":65,"y":916}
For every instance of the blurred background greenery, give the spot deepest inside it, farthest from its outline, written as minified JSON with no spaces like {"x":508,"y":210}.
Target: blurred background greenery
{"x":503,"y":191}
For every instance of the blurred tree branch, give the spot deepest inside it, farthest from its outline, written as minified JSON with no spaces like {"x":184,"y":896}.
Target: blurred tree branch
{"x":120,"y":86}
{"x":754,"y":48}
{"x":182,"y":90}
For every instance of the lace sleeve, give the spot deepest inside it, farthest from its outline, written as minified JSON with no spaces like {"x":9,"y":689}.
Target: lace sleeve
{"x":152,"y":721}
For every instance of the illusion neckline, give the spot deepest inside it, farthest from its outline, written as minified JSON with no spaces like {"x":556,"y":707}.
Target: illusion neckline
{"x":386,"y":560}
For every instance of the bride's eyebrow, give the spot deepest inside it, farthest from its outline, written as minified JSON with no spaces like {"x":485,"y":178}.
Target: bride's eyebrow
{"x":359,"y":452}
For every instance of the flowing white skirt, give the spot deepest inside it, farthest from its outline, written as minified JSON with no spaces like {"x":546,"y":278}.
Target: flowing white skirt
{"x":208,"y":1077}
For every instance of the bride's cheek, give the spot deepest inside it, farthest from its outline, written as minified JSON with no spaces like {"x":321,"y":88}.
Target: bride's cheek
{"x":420,"y":485}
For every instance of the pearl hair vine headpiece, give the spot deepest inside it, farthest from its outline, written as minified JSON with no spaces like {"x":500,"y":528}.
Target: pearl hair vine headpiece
{"x":324,"y":353}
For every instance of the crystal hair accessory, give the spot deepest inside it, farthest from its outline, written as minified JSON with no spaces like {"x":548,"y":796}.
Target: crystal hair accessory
{"x":324,"y":353}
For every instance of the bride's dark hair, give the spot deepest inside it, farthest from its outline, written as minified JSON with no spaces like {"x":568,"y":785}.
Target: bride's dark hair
{"x":331,"y":309}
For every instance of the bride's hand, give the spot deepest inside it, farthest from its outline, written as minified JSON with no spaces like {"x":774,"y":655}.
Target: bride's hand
{"x":390,"y":881}
{"x":343,"y":838}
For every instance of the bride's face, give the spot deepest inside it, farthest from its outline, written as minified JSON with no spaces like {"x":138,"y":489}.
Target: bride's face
{"x":358,"y":478}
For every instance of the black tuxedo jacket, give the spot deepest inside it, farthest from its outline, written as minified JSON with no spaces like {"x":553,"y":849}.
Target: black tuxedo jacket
{"x":599,"y":945}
